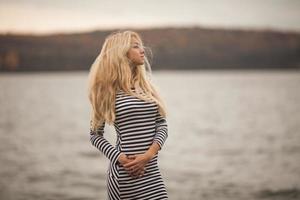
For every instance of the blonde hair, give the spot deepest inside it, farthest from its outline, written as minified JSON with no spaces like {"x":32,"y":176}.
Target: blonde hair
{"x":111,"y":72}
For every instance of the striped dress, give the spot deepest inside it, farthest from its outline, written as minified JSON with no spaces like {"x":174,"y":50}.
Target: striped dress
{"x":138,"y":124}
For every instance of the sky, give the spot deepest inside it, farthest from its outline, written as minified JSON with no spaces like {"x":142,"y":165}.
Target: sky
{"x":57,"y":16}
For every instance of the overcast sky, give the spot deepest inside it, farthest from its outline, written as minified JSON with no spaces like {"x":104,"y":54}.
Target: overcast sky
{"x":49,"y":16}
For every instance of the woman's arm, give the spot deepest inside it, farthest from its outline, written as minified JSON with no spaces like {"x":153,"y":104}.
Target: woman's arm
{"x":97,"y":140}
{"x":161,"y":130}
{"x":139,"y":161}
{"x":160,"y":136}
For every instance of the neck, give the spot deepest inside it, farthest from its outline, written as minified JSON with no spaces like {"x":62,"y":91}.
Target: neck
{"x":132,"y":67}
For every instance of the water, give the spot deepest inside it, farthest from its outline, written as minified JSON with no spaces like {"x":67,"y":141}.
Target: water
{"x":232,"y":135}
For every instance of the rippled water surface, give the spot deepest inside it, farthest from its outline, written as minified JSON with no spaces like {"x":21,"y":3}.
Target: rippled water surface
{"x":232,"y":135}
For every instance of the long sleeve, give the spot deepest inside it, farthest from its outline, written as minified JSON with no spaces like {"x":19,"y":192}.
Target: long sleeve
{"x":161,"y":130}
{"x":97,"y":139}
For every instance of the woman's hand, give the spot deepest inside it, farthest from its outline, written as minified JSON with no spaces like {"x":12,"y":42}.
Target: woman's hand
{"x":124,"y":159}
{"x":136,"y":166}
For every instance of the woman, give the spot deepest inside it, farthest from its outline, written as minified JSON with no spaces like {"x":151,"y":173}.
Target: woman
{"x":121,"y":93}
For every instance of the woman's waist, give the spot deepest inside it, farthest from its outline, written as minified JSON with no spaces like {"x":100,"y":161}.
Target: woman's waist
{"x":138,"y":148}
{"x":150,"y":166}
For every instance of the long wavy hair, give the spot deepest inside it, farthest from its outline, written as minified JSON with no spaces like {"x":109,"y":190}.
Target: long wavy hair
{"x":113,"y":70}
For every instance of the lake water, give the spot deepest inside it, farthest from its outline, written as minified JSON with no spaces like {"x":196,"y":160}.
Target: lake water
{"x":232,"y":135}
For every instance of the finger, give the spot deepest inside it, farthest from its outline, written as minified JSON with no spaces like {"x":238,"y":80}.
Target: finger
{"x":131,"y":168}
{"x":131,"y":174}
{"x":136,"y":170}
{"x":131,"y":157}
{"x":128,"y":170}
{"x":141,"y":171}
{"x":130,"y":164}
{"x":138,"y":167}
{"x":135,"y":174}
{"x":141,"y":174}
{"x":138,"y":173}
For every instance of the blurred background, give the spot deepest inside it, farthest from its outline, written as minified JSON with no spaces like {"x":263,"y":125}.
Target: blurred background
{"x":228,"y":71}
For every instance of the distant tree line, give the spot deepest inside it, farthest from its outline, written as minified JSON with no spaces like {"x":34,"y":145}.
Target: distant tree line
{"x":172,"y":48}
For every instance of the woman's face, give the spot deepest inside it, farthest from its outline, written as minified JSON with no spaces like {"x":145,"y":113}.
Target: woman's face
{"x":136,"y":52}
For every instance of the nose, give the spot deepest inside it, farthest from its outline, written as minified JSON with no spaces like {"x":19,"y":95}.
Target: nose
{"x":142,"y":51}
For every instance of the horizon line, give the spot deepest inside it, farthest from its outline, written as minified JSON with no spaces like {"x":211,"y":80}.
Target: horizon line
{"x":113,"y":28}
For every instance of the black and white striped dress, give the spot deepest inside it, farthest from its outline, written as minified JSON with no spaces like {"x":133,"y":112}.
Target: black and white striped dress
{"x":138,"y":124}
